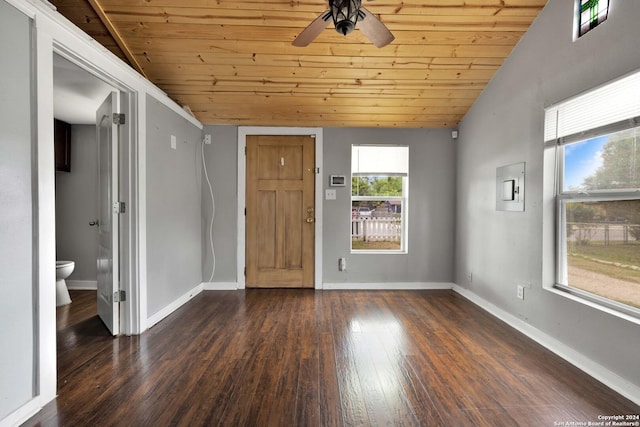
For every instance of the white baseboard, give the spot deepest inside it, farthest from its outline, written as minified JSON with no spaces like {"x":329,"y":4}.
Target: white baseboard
{"x":597,"y":371}
{"x":82,"y":285}
{"x":23,"y":413}
{"x":388,"y":286}
{"x":173,"y":306}
{"x":220,"y":286}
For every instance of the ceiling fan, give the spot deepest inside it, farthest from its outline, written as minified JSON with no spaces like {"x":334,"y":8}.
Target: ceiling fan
{"x":346,"y":14}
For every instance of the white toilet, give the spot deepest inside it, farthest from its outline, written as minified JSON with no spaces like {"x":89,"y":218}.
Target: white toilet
{"x":63,"y":270}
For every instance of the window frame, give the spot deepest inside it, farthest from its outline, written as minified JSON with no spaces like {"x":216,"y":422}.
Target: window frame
{"x":404,"y":199}
{"x":562,"y":197}
{"x":592,"y":23}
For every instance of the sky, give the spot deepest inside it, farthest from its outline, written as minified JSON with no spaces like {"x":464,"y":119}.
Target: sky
{"x":582,"y":159}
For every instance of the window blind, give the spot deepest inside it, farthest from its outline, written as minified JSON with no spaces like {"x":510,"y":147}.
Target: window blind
{"x":379,"y":159}
{"x":610,"y":103}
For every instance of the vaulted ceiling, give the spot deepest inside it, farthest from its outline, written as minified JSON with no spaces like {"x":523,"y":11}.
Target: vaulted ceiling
{"x":232,"y":62}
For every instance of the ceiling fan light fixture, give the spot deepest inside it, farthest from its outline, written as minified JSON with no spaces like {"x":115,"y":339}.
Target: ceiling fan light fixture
{"x":345,"y":14}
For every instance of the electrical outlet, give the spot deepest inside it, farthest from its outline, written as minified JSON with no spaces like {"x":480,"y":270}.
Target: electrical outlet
{"x":207,"y":139}
{"x":342,"y":264}
{"x":520,"y":292}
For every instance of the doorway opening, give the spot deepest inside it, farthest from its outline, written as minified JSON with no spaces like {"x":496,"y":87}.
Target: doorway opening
{"x":78,"y":94}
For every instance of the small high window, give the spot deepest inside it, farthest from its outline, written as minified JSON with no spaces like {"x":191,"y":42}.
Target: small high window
{"x":591,"y":13}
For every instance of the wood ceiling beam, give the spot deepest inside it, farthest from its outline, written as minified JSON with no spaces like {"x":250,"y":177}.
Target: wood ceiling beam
{"x":97,"y":7}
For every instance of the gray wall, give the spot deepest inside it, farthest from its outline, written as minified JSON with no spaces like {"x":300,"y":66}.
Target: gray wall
{"x":17,"y":355}
{"x":432,"y":200}
{"x":174,"y":225}
{"x":505,"y":126}
{"x":77,"y":204}
{"x":431,"y":203}
{"x":222,"y":167}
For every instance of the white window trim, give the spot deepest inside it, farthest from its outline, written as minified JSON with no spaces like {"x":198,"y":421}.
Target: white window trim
{"x":576,"y":20}
{"x":623,"y":111}
{"x":554,"y":237}
{"x":404,"y":239}
{"x":549,"y":237}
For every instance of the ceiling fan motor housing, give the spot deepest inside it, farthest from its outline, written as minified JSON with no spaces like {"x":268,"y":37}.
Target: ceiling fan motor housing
{"x":345,"y":14}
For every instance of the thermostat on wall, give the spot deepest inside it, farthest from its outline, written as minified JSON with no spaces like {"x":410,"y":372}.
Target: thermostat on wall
{"x":338,"y":181}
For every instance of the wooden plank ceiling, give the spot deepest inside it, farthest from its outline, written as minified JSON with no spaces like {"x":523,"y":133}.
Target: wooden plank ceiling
{"x":232,"y":62}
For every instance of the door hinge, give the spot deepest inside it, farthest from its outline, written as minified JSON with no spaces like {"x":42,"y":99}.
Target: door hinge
{"x":119,"y":207}
{"x":245,"y":271}
{"x":119,"y":296}
{"x":245,"y":211}
{"x":118,"y":118}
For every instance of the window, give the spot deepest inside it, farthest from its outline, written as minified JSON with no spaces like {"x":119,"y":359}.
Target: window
{"x":379,"y":195}
{"x":591,"y":13}
{"x":598,"y":194}
{"x":599,"y":211}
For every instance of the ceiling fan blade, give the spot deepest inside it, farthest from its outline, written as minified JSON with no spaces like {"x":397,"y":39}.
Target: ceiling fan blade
{"x":313,"y":30}
{"x":375,"y":30}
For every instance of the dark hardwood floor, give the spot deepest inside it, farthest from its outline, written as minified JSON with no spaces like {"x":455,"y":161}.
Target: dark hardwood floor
{"x":306,"y":358}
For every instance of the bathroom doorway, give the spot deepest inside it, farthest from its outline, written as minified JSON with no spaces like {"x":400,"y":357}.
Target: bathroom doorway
{"x":78,"y":94}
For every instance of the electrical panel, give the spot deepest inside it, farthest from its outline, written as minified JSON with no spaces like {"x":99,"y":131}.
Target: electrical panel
{"x":510,"y":188}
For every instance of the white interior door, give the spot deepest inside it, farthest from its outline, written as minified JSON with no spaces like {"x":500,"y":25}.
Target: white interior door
{"x":107,"y":129}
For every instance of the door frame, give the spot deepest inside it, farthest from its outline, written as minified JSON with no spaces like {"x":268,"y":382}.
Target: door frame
{"x":243,"y":132}
{"x":53,"y":33}
{"x":129,"y":311}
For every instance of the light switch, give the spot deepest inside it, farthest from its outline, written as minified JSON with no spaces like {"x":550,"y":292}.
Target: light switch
{"x":329,"y":194}
{"x":173,"y":142}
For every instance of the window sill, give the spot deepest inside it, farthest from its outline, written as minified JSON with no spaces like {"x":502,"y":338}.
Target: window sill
{"x":556,"y":289}
{"x":374,"y":252}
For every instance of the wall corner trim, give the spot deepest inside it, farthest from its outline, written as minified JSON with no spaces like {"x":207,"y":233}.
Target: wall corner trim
{"x":23,"y":413}
{"x":597,"y":371}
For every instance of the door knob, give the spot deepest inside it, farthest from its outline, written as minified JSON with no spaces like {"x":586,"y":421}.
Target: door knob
{"x":94,"y":223}
{"x":310,"y":220}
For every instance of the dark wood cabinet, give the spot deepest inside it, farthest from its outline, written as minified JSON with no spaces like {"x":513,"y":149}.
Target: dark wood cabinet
{"x":62,"y":144}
